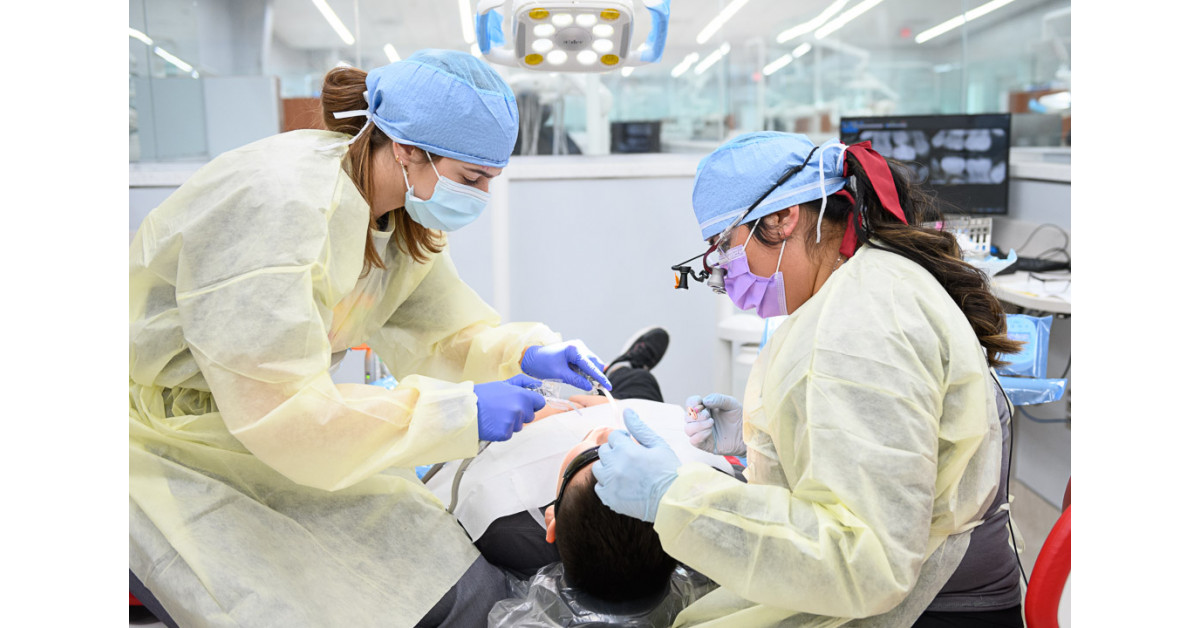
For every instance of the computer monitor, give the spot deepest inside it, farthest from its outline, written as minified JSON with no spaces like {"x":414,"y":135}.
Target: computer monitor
{"x":636,"y":137}
{"x":963,"y":159}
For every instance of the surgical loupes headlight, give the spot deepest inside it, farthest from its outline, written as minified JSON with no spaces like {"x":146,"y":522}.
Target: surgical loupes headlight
{"x":570,"y":35}
{"x":712,"y":276}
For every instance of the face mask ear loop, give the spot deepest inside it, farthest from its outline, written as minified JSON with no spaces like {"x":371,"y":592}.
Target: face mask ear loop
{"x":779,"y":264}
{"x":824,"y":194}
{"x":430,"y":158}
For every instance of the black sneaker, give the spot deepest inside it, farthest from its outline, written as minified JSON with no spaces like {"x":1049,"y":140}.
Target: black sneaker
{"x":643,"y":350}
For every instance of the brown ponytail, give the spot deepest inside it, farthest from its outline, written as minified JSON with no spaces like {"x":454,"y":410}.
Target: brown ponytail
{"x":936,"y":251}
{"x":343,"y":91}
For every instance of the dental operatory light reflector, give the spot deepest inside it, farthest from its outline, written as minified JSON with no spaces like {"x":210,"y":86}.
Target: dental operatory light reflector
{"x":391,"y":53}
{"x":334,"y":21}
{"x":570,"y":35}
{"x":813,"y":24}
{"x":717,"y":22}
{"x":140,"y":36}
{"x":959,"y":20}
{"x":838,"y":22}
{"x":712,"y":58}
{"x":683,"y":66}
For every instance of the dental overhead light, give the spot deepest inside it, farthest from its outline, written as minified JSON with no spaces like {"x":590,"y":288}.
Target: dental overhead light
{"x":570,"y":35}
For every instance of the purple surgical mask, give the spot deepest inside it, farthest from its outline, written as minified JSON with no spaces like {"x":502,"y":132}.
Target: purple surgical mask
{"x":747,"y":290}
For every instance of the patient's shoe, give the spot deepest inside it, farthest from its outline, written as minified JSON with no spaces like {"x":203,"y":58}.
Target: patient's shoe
{"x":643,"y":350}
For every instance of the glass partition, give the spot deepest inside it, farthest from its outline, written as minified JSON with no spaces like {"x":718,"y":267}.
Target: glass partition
{"x":209,"y":75}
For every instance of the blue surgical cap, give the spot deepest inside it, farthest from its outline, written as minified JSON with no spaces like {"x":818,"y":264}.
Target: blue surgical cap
{"x":448,"y":103}
{"x":730,"y":179}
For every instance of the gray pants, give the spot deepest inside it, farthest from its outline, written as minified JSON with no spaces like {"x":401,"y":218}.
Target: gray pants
{"x":467,"y":603}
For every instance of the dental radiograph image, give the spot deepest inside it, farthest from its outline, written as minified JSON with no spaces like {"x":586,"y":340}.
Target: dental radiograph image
{"x":951,"y":156}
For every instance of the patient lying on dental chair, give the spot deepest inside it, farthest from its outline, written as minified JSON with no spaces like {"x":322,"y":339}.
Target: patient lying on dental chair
{"x":530,"y":506}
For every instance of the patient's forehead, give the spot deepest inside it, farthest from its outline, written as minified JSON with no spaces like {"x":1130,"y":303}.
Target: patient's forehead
{"x":595,"y":437}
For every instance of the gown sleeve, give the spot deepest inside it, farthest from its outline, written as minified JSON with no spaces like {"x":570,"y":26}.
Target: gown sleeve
{"x":253,"y":296}
{"x":445,"y":330}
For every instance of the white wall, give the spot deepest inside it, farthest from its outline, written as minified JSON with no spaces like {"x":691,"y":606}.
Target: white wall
{"x":592,"y":258}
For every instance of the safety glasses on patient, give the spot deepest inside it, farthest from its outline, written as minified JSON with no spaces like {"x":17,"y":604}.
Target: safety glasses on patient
{"x":711,"y":273}
{"x":585,"y":457}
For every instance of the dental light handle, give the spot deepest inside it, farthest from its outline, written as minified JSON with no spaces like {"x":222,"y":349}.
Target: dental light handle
{"x":656,"y":40}
{"x":489,"y":32}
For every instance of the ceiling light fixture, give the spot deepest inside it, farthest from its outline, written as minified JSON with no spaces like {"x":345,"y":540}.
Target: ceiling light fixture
{"x":959,"y":20}
{"x":391,"y":53}
{"x":334,"y":21}
{"x":140,"y":36}
{"x":813,"y":24}
{"x":777,"y":64}
{"x":683,"y":66}
{"x":173,"y":60}
{"x":712,"y":58}
{"x":845,"y":18}
{"x":717,"y":22}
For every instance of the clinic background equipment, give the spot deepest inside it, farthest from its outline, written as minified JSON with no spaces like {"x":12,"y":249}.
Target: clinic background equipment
{"x":1024,"y":377}
{"x":964,"y":159}
{"x":637,"y":137}
{"x":570,"y":35}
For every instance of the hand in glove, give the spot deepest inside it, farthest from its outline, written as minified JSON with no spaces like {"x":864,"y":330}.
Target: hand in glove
{"x":632,"y":476}
{"x":565,"y":361}
{"x":714,"y":424}
{"x":505,"y":407}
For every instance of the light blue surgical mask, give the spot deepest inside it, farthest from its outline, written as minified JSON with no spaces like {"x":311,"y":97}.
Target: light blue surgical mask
{"x":452,"y":205}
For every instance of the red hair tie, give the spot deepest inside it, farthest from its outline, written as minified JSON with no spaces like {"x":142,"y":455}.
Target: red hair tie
{"x":880,"y":177}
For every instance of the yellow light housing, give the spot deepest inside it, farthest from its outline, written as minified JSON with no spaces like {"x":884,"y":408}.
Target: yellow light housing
{"x":610,"y":59}
{"x":538,"y":14}
{"x":610,"y":14}
{"x":533,"y":59}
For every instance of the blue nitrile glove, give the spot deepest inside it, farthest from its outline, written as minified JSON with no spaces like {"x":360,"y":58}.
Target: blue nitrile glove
{"x":714,"y":424}
{"x":505,"y":407}
{"x":565,"y":361}
{"x":632,"y":476}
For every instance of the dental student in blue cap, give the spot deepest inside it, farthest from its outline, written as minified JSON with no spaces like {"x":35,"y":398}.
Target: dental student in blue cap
{"x":261,"y":493}
{"x":875,"y":432}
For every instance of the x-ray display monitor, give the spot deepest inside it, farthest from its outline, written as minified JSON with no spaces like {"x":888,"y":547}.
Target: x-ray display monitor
{"x":963,"y":159}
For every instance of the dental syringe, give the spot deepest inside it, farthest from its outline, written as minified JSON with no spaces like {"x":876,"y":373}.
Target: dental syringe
{"x":551,"y":390}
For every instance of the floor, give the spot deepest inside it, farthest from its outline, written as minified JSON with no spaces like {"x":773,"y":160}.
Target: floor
{"x":1033,"y":515}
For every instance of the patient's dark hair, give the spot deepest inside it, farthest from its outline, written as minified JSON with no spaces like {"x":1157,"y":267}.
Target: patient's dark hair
{"x":606,"y":554}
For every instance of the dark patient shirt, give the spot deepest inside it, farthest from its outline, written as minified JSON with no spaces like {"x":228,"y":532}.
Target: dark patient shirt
{"x":988,"y":577}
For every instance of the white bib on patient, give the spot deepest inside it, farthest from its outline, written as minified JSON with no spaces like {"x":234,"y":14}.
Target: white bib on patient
{"x":521,"y":474}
